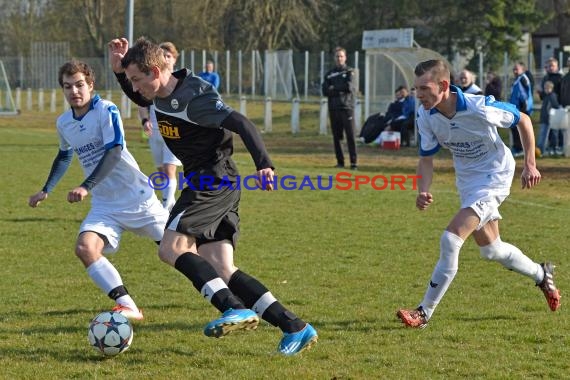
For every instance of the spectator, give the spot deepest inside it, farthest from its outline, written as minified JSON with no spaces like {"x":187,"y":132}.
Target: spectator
{"x":409,"y":113}
{"x":467,"y":83}
{"x":549,"y":101}
{"x":564,"y":95}
{"x":413,"y":93}
{"x":521,"y":97}
{"x":494,"y":86}
{"x":391,"y":120}
{"x":338,"y":86}
{"x":210,"y":76}
{"x":400,"y":114}
{"x":553,"y":75}
{"x":395,"y":109}
{"x":530,"y":78}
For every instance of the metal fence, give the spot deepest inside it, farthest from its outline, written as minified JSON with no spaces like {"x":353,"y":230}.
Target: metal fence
{"x":283,"y":75}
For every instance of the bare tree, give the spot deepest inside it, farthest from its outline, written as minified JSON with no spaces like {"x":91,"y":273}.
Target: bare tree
{"x":261,"y":24}
{"x":20,"y":22}
{"x":92,"y":11}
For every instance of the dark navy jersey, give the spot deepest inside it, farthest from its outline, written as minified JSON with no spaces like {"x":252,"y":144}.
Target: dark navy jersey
{"x":197,"y":126}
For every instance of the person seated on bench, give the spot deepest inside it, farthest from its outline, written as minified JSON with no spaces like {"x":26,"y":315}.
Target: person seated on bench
{"x":401,"y":114}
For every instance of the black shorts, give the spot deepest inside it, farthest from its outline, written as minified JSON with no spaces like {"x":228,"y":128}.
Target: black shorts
{"x":209,"y":215}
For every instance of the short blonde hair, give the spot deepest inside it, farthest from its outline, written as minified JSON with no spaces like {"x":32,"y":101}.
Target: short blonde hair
{"x":170,"y":47}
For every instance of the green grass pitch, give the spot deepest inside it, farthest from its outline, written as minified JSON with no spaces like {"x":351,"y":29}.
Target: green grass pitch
{"x":343,"y":260}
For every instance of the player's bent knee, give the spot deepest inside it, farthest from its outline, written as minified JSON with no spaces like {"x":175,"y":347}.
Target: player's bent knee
{"x":83,"y":251}
{"x":163,"y":254}
{"x":87,"y":254}
{"x":168,"y":255}
{"x":490,"y":252}
{"x":450,"y":244}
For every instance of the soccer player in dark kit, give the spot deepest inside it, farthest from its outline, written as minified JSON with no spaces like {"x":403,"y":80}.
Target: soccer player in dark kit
{"x":203,"y":227}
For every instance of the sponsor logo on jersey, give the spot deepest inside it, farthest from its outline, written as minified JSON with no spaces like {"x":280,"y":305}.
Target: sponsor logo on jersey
{"x":168,"y":131}
{"x":87,"y":147}
{"x":464,"y":144}
{"x":174,"y":104}
{"x":219,"y":105}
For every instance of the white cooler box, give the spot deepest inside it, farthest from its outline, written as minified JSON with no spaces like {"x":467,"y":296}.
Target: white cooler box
{"x":390,"y":140}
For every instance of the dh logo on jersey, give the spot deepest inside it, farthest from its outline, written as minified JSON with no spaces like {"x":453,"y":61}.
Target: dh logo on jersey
{"x":168,"y":131}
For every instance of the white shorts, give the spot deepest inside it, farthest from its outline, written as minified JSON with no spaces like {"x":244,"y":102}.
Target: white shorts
{"x":485,"y":203}
{"x":146,"y":219}
{"x":160,"y":152}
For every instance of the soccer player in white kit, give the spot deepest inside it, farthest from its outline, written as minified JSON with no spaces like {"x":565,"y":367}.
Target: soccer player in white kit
{"x":484,"y":166}
{"x":121,"y":197}
{"x":164,"y":160}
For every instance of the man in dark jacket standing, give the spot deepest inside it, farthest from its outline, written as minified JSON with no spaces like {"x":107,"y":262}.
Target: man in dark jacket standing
{"x":339,"y":88}
{"x":564,"y":97}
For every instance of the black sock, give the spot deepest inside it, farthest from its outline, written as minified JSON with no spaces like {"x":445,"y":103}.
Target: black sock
{"x":117,"y":292}
{"x":200,"y":273}
{"x":251,"y":290}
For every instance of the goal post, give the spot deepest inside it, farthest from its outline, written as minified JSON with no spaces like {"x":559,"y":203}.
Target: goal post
{"x":7,"y":105}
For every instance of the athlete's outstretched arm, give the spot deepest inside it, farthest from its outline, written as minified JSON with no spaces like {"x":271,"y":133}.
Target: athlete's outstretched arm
{"x":58,"y":169}
{"x":118,"y":47}
{"x":241,"y":125}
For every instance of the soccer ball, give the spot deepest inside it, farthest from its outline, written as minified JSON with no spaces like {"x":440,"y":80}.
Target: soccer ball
{"x":110,"y":333}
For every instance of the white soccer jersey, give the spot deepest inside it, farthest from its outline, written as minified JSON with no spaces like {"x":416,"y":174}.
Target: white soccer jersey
{"x":160,"y":152}
{"x":480,"y":158}
{"x":99,"y":129}
{"x":152,"y":118}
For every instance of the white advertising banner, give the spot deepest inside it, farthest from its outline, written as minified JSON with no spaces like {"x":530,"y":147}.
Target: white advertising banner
{"x":388,"y":38}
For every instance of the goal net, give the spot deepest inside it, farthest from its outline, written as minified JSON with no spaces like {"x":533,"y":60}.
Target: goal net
{"x":7,"y":105}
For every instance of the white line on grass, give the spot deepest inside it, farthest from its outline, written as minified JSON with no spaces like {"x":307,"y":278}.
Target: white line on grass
{"x":534,"y":204}
{"x":516,"y":201}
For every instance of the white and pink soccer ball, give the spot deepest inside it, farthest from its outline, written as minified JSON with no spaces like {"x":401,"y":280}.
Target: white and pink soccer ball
{"x":110,"y":333}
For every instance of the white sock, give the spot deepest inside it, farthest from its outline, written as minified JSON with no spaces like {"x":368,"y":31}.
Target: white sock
{"x":107,"y":278}
{"x":104,"y":274}
{"x":168,"y":194}
{"x":443,"y":273}
{"x":512,"y":258}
